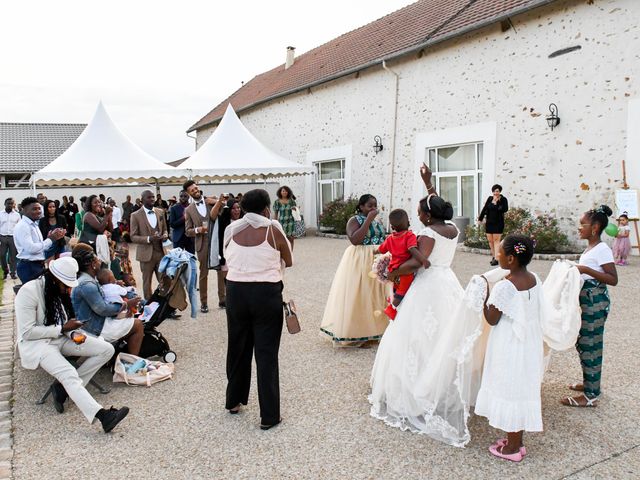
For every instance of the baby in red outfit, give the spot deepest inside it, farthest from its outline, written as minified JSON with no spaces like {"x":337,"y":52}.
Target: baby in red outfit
{"x":403,"y":245}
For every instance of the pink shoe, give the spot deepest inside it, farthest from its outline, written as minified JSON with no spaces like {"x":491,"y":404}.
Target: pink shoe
{"x":501,"y":442}
{"x":496,"y":451}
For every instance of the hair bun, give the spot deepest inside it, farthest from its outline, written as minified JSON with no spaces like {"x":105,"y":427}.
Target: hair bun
{"x":606,"y":210}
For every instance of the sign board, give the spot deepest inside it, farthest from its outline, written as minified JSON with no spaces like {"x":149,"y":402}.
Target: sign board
{"x":627,"y":201}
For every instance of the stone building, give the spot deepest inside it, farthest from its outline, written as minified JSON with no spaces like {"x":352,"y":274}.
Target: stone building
{"x":465,"y":86}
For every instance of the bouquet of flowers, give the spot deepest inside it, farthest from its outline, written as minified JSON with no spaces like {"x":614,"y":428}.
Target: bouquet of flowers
{"x":380,"y":268}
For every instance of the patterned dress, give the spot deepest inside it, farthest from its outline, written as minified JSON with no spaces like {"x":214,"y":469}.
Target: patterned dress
{"x":285,"y":217}
{"x":350,"y":313}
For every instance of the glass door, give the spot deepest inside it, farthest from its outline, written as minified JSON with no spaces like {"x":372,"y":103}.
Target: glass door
{"x":330,"y":183}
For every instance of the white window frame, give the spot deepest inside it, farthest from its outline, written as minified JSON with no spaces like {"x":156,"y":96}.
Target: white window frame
{"x":315,"y":157}
{"x":484,"y":133}
{"x":458,"y":174}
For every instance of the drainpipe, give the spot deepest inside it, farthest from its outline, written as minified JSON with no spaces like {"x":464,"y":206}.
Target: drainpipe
{"x":395,"y":125}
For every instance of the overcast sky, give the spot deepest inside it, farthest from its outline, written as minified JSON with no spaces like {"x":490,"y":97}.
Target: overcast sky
{"x":158,"y":66}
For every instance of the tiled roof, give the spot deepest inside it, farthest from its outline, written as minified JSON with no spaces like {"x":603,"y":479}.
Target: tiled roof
{"x":28,"y":147}
{"x":411,"y":28}
{"x":177,"y":163}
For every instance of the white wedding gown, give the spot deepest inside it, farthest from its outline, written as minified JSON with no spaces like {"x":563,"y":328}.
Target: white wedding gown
{"x":415,"y":378}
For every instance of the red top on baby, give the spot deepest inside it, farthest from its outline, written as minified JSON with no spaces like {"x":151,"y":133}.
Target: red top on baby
{"x":399,"y":243}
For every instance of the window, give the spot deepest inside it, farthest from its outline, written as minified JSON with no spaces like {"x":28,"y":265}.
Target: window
{"x":330,"y":186}
{"x":457,"y":171}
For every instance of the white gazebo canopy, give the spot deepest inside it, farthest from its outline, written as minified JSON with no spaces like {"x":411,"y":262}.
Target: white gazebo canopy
{"x":103,"y":155}
{"x":233,"y":153}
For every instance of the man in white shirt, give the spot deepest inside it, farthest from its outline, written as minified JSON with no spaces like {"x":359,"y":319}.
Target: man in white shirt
{"x":29,"y":243}
{"x":9,"y":218}
{"x":116,"y":218}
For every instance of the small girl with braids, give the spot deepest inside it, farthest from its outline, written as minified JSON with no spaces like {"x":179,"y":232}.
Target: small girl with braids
{"x":597,"y":268}
{"x":509,"y":394}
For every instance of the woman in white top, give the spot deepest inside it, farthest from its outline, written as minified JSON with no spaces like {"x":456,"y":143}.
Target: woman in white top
{"x":598,"y":270}
{"x":256,"y":250}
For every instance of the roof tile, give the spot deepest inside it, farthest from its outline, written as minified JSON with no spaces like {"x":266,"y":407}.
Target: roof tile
{"x":421,"y":23}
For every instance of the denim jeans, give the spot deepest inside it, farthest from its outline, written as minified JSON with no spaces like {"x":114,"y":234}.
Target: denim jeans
{"x":28,"y":270}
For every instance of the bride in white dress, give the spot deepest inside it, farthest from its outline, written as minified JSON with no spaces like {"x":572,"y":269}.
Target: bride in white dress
{"x":413,"y":381}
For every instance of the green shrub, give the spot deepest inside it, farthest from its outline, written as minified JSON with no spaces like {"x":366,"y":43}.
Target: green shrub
{"x":543,"y":229}
{"x":337,"y":213}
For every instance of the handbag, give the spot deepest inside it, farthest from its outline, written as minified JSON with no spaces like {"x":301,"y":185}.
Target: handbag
{"x":134,"y":370}
{"x":291,"y":317}
{"x":299,"y":228}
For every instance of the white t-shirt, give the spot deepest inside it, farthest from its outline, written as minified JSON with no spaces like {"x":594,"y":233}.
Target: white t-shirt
{"x":599,"y":255}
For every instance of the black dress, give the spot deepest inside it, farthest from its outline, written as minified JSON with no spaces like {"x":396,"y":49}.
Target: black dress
{"x":495,"y":214}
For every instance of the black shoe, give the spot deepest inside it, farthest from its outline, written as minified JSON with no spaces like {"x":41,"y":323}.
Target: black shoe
{"x":14,"y":276}
{"x":269,"y":425}
{"x":112,"y":417}
{"x":204,"y":309}
{"x":173,"y":316}
{"x":493,"y":262}
{"x":59,"y":396}
{"x":222,"y":304}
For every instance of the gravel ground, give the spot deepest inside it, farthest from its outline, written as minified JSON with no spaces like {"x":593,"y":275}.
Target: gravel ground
{"x":179,"y":429}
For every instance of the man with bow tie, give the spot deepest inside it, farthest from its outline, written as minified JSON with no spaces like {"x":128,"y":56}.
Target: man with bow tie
{"x":199,"y":218}
{"x":148,"y":231}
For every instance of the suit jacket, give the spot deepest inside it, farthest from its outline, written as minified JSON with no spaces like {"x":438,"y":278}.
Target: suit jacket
{"x":140,"y":230}
{"x":177,"y":222}
{"x":33,"y":335}
{"x":193,"y":220}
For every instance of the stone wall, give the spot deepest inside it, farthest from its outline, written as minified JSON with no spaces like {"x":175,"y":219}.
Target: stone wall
{"x":487,"y":77}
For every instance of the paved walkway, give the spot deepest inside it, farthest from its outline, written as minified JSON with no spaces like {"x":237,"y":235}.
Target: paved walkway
{"x":179,"y":429}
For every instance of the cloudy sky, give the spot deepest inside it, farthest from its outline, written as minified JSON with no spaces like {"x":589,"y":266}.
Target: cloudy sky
{"x":157,"y":65}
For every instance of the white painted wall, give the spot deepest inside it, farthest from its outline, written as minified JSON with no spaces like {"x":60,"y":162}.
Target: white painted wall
{"x":488,"y":77}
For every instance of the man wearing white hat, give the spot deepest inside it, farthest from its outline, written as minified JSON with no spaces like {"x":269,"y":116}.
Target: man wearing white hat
{"x":48,"y":331}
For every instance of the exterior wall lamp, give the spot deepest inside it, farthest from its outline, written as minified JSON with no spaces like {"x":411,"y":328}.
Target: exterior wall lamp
{"x":377,"y":147}
{"x":553,"y":120}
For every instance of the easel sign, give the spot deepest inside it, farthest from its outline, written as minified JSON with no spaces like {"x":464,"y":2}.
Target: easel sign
{"x":627,"y":202}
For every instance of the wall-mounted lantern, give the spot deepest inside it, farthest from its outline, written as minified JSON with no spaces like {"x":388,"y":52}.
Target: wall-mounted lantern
{"x":377,"y":147}
{"x":553,"y":119}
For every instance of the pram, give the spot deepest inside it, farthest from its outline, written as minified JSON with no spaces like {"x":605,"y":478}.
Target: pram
{"x":170,"y":296}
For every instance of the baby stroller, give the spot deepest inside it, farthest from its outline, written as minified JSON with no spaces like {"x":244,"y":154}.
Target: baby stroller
{"x":169,"y":295}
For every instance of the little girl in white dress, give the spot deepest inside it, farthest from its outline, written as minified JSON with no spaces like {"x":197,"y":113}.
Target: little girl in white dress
{"x":509,"y":394}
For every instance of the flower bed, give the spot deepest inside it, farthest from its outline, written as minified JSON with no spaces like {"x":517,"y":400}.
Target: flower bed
{"x":542,"y":228}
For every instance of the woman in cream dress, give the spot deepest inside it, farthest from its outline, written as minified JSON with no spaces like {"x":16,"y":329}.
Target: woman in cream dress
{"x":349,"y":318}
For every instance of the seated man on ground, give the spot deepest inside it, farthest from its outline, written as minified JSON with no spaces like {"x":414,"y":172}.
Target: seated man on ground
{"x":46,"y":324}
{"x":90,"y":305}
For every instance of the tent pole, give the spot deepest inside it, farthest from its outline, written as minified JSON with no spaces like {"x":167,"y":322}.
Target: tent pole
{"x":32,"y":180}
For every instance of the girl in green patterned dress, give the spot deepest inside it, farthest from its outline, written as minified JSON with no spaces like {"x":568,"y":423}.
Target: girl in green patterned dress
{"x":282,"y":207}
{"x":598,"y":270}
{"x":349,"y":318}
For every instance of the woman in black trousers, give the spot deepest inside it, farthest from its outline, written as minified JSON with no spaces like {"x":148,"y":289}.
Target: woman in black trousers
{"x":494,"y":209}
{"x":256,"y":252}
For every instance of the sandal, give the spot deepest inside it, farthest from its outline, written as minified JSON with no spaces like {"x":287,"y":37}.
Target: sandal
{"x":235,"y":410}
{"x":577,"y":387}
{"x":501,"y":442}
{"x":572,"y":402}
{"x":496,"y":451}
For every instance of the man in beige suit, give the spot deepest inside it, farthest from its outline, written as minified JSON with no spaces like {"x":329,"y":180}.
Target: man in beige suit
{"x":47,"y":334}
{"x":199,"y":216}
{"x":148,"y":231}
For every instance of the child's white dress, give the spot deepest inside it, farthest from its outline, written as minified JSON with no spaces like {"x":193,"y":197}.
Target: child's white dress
{"x":509,"y":394}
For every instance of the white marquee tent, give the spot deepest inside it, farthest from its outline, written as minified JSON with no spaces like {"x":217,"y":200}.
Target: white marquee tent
{"x":233,"y":153}
{"x":103,"y":155}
